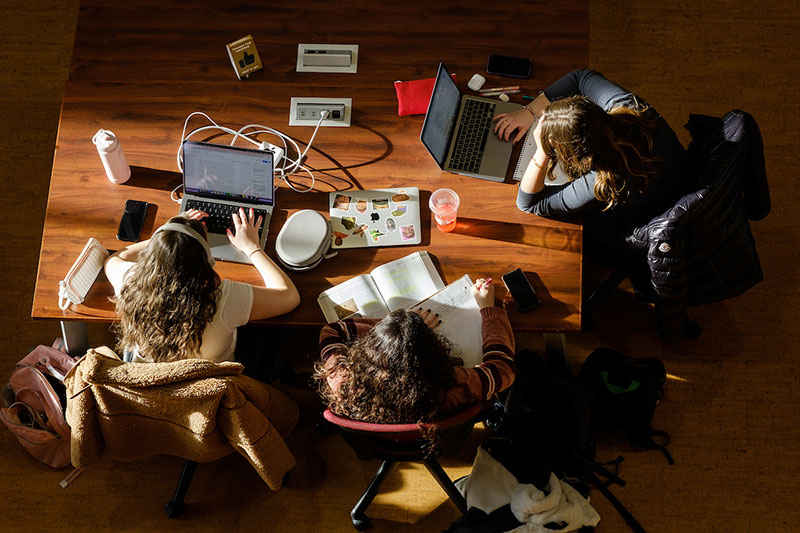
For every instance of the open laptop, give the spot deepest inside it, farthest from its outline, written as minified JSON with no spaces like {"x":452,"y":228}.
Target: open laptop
{"x":457,"y":131}
{"x":218,"y":180}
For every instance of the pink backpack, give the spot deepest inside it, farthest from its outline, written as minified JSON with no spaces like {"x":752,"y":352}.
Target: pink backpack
{"x":36,"y":412}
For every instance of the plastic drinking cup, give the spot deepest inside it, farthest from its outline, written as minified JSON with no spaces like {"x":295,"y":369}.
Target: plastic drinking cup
{"x":444,"y":206}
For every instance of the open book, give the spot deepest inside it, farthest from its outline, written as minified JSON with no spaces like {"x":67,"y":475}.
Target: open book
{"x":406,"y":283}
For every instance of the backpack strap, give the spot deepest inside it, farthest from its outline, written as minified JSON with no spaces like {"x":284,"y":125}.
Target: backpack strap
{"x":635,"y":526}
{"x":662,"y":447}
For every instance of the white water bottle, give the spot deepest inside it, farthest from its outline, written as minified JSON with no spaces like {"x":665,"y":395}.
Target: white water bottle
{"x":111,"y":155}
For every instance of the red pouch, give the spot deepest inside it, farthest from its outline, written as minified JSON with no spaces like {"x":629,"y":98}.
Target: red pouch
{"x":414,"y":96}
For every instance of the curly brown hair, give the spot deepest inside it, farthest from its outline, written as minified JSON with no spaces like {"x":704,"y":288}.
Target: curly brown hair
{"x":168,"y":296}
{"x":397,"y":373}
{"x":616,"y":145}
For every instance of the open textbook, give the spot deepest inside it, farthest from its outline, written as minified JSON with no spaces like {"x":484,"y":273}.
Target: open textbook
{"x":409,"y":282}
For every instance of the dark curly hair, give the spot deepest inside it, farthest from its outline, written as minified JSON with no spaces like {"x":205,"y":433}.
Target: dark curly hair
{"x":168,"y":296}
{"x":397,"y":373}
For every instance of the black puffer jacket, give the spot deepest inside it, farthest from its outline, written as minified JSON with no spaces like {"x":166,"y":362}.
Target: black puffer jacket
{"x":702,"y":250}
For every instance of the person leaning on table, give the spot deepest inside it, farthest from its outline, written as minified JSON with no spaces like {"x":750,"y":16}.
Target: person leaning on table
{"x":172,"y":303}
{"x":624,"y":163}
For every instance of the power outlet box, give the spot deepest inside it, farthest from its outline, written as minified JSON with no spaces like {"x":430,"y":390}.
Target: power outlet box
{"x":307,"y":110}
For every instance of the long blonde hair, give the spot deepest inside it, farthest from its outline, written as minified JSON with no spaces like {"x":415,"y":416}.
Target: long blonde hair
{"x":168,"y":296}
{"x":616,"y":145}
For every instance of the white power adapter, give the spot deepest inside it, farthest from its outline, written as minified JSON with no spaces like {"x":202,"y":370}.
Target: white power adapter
{"x":277,"y":152}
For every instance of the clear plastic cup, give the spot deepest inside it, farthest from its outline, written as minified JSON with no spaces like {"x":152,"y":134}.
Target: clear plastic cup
{"x":444,"y":206}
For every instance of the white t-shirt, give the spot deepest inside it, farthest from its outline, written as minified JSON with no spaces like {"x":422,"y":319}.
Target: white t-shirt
{"x":234,"y":303}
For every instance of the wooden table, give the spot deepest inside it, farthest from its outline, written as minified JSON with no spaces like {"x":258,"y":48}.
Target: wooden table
{"x":139,"y":68}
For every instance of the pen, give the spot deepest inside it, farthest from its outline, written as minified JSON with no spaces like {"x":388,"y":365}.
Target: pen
{"x":486,"y":283}
{"x":495,"y":93}
{"x":491,"y":90}
{"x":528,"y":97}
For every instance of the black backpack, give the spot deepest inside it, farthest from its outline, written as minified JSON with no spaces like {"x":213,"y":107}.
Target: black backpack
{"x":544,"y":425}
{"x":626,"y":391}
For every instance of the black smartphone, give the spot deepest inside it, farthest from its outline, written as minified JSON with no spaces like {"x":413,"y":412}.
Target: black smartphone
{"x":521,"y":290}
{"x":515,"y":67}
{"x":130,"y":227}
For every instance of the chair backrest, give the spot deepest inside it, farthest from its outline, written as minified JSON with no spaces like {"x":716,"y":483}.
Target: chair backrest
{"x":405,"y":441}
{"x":702,"y":250}
{"x":192,"y":408}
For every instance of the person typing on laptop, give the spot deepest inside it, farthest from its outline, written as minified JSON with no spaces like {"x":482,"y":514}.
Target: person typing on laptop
{"x":625,"y":164}
{"x":173,"y":305}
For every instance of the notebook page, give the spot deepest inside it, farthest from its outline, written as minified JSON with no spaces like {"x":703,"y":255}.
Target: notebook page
{"x":461,"y":319}
{"x":407,"y":280}
{"x":357,"y":297}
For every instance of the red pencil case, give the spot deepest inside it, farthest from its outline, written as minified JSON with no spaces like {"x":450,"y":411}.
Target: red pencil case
{"x":414,"y":96}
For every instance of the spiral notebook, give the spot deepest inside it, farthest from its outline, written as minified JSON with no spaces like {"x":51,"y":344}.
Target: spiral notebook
{"x":525,"y":156}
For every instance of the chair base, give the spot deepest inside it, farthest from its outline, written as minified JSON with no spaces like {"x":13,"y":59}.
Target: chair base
{"x":358,"y":514}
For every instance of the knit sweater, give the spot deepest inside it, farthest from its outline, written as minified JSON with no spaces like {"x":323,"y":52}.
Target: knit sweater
{"x":494,"y":374}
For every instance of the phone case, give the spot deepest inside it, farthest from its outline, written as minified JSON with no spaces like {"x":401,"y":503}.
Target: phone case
{"x":74,"y":287}
{"x":141,"y":205}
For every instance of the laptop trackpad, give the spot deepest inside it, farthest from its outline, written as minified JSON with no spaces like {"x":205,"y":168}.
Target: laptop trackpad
{"x":222,"y":249}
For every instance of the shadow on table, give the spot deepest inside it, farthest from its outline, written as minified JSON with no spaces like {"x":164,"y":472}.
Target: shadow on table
{"x":563,"y":239}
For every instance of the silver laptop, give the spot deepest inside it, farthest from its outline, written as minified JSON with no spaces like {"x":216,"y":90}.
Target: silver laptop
{"x":458,"y":131}
{"x":218,"y":180}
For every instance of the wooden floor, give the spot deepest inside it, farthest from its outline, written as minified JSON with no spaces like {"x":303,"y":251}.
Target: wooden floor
{"x":732,"y":400}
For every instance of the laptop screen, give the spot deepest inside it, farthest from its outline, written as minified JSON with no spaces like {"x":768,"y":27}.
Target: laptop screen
{"x":441,"y":114}
{"x":228,"y":173}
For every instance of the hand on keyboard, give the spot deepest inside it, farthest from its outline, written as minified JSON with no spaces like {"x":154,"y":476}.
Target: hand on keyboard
{"x":195,"y":214}
{"x":245,"y":234}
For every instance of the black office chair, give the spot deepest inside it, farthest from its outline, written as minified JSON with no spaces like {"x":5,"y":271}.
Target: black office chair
{"x":394,"y":443}
{"x":701,"y":250}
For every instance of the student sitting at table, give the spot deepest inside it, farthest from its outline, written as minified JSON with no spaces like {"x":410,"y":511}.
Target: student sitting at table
{"x":398,"y":370}
{"x":624,"y":163}
{"x":171,"y":302}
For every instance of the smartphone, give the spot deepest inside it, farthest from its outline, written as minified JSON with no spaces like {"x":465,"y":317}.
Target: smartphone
{"x":515,"y":67}
{"x":130,"y":227}
{"x":521,"y":290}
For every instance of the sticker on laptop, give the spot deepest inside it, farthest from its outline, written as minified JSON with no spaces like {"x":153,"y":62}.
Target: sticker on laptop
{"x":390,"y":225}
{"x":400,"y":197}
{"x":400,"y":210}
{"x":380,"y":203}
{"x":361,"y":205}
{"x":349,"y":222}
{"x":341,"y":201}
{"x":407,"y":233}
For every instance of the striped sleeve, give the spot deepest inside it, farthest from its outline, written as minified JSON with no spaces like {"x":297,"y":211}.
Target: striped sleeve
{"x":334,"y":336}
{"x":495,"y":373}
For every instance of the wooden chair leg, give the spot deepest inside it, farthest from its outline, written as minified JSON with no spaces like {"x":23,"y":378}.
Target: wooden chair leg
{"x":174,"y":507}
{"x":360,"y":520}
{"x":446,"y":483}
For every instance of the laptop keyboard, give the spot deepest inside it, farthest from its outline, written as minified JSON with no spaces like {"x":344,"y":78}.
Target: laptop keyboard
{"x":476,"y":123}
{"x":219,"y":215}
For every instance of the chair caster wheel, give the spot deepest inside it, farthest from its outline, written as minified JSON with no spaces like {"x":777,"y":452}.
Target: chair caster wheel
{"x":361,"y":522}
{"x":172,"y":509}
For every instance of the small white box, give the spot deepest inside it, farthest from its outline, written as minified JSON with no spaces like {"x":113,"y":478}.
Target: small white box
{"x":327,"y":58}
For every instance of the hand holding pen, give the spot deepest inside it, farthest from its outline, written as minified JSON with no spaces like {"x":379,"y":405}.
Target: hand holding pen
{"x":483,"y":291}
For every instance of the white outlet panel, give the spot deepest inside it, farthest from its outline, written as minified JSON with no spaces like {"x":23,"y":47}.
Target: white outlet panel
{"x":305,"y":111}
{"x":327,"y":58}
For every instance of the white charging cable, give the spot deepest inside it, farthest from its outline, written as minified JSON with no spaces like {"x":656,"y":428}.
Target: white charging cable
{"x":283,"y":171}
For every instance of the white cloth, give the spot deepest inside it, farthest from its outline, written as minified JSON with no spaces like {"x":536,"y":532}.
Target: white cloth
{"x":491,"y":486}
{"x":234,"y":303}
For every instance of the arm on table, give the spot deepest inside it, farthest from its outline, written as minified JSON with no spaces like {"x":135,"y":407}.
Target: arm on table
{"x":279,"y":295}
